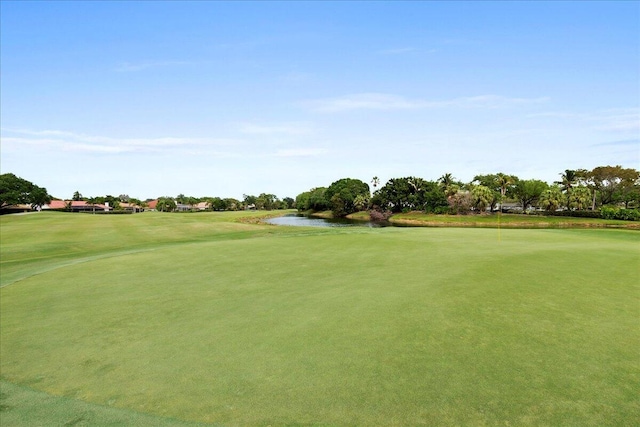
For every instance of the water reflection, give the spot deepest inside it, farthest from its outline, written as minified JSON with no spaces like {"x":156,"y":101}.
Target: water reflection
{"x":299,"y":220}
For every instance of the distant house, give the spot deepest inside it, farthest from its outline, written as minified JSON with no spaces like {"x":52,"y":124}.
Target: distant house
{"x":131,"y":207}
{"x":512,"y":206}
{"x":202,"y":206}
{"x":17,"y":208}
{"x":75,"y":206}
{"x":181,"y":207}
{"x":152,"y":204}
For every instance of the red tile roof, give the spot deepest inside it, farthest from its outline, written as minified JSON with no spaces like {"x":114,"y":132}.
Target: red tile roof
{"x":62,"y":204}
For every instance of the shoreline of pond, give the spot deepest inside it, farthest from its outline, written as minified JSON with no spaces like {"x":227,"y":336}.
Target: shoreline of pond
{"x":325,"y":219}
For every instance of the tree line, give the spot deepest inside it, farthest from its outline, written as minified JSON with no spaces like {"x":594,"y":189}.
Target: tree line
{"x":613,"y":187}
{"x":611,"y":191}
{"x":263,"y":201}
{"x":15,"y":191}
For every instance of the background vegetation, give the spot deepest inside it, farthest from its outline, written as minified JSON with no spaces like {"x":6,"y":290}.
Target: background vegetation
{"x":613,"y":187}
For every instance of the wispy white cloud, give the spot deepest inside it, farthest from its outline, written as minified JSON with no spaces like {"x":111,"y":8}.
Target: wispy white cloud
{"x":621,"y":120}
{"x":491,"y":101}
{"x":382,"y":101}
{"x":75,"y":142}
{"x":364,"y":101}
{"x":623,"y":142}
{"x":301,"y":152}
{"x":274,"y":129}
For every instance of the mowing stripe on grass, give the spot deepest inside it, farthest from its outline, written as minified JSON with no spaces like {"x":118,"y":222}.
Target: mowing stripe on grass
{"x":342,"y":327}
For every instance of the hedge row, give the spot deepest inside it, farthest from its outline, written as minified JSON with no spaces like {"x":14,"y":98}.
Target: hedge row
{"x":620,"y":213}
{"x":605,"y":213}
{"x":574,"y":214}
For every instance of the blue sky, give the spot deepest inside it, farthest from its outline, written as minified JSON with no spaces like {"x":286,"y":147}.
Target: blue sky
{"x":232,"y":98}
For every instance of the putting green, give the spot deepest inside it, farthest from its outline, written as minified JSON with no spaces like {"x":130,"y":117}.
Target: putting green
{"x":339,"y":327}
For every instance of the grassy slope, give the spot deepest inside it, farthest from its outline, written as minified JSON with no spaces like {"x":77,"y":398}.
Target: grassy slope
{"x":36,"y":243}
{"x":251,"y":325}
{"x":509,"y":220}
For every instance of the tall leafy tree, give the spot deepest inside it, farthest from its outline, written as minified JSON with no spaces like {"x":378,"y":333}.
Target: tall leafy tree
{"x":528,"y":191}
{"x":166,"y":204}
{"x":266,"y":201}
{"x":217,"y":204}
{"x":409,"y":193}
{"x":629,"y":196}
{"x":489,"y":181}
{"x":249,"y":199}
{"x":342,"y":194}
{"x":288,"y":202}
{"x":302,"y":201}
{"x":314,"y":199}
{"x":15,"y":190}
{"x":609,"y":181}
{"x":504,"y":182}
{"x":39,"y":197}
{"x":232,"y":204}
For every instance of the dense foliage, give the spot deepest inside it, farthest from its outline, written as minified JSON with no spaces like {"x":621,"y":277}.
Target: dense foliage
{"x":620,"y":213}
{"x":166,"y":204}
{"x":313,"y":199}
{"x":409,"y":193}
{"x":16,"y":191}
{"x":342,"y":195}
{"x":576,"y":191}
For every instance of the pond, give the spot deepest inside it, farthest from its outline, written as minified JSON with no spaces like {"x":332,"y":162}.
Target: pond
{"x":299,"y":220}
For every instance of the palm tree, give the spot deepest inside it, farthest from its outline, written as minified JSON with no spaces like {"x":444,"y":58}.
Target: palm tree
{"x":580,"y":198}
{"x":451,"y":190}
{"x":446,"y":180}
{"x":481,"y":197}
{"x":551,"y":199}
{"x":92,"y":201}
{"x":504,"y":181}
{"x":567,"y":180}
{"x":375,"y":182}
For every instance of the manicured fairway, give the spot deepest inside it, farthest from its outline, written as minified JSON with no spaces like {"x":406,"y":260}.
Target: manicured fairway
{"x":200,"y":318}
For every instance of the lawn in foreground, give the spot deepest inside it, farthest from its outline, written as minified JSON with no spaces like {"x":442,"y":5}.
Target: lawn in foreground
{"x":340,"y":327}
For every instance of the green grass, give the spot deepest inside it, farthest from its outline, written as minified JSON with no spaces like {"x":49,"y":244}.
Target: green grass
{"x":22,"y":406}
{"x":508,"y":220}
{"x":203,"y":318}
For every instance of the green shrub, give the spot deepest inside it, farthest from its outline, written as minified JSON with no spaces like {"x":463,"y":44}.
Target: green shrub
{"x":574,"y":214}
{"x":610,"y":212}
